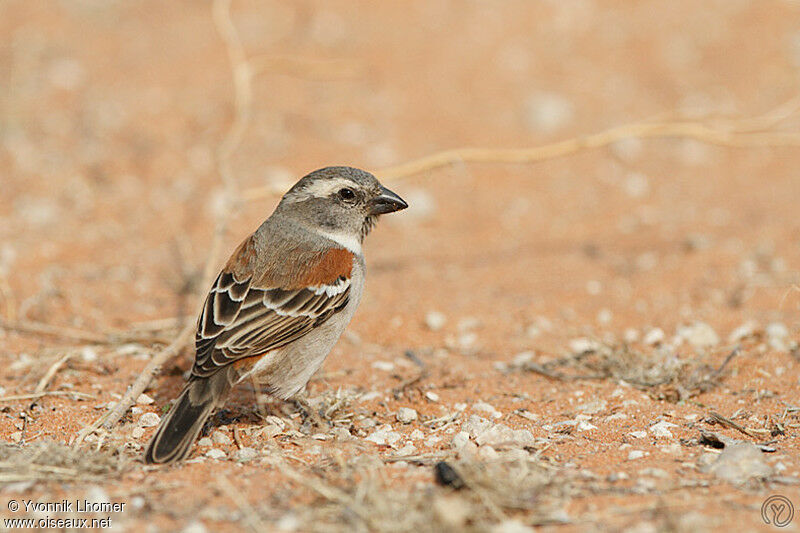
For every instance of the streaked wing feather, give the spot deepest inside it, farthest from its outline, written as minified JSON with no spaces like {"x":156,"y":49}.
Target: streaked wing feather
{"x":240,"y":320}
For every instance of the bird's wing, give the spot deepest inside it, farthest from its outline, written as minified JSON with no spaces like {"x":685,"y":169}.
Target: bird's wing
{"x":250,"y":316}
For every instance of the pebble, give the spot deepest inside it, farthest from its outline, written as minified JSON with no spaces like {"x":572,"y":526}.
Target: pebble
{"x":511,"y":526}
{"x":638,"y":434}
{"x":149,"y":420}
{"x":699,"y":335}
{"x":475,"y":425}
{"x":744,"y":331}
{"x":406,"y":415}
{"x":662,"y":429}
{"x":417,"y":434}
{"x":144,"y":399}
{"x":245,"y":455}
{"x":220,"y":438}
{"x":585,"y":426}
{"x":435,"y":320}
{"x":215,"y":453}
{"x":654,"y":336}
{"x":137,"y":433}
{"x":384,"y":435}
{"x":386,"y":366}
{"x":636,"y":454}
{"x":583,"y":345}
{"x":88,"y":354}
{"x":407,"y":449}
{"x":739,"y":463}
{"x":488,"y":409}
{"x":194,"y":527}
{"x":432,"y":396}
{"x":630,"y":335}
{"x":96,"y":494}
{"x":547,"y":112}
{"x":205,"y":441}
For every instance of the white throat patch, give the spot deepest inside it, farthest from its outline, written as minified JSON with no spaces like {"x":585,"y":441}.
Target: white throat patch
{"x":351,"y":242}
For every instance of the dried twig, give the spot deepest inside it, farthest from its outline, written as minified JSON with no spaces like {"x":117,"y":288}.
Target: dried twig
{"x":35,"y":395}
{"x":739,"y":132}
{"x":51,"y":372}
{"x":727,"y":422}
{"x":242,"y":102}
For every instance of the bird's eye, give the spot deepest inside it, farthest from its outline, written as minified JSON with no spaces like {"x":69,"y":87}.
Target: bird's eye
{"x":346,"y":194}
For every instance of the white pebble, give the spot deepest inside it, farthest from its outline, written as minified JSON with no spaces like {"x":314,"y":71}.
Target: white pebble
{"x":144,"y":399}
{"x":654,"y":336}
{"x":636,"y":454}
{"x":406,"y":415}
{"x":435,"y":320}
{"x":220,"y":438}
{"x":662,"y":429}
{"x":215,"y":453}
{"x":205,"y":442}
{"x":137,"y":433}
{"x":149,"y":420}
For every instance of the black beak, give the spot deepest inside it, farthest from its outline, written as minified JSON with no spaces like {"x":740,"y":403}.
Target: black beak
{"x":387,"y":202}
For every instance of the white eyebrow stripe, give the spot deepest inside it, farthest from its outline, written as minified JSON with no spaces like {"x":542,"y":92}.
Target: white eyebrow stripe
{"x":350,"y":242}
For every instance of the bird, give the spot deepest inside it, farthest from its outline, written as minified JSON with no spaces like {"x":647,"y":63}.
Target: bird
{"x":281,"y":301}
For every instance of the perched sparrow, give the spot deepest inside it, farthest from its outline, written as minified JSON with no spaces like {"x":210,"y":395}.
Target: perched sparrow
{"x":281,"y":301}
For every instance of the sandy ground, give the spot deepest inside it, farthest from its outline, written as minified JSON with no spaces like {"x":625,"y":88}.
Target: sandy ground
{"x":561,"y":329}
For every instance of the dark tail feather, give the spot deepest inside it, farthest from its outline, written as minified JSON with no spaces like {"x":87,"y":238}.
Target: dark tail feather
{"x":178,"y":430}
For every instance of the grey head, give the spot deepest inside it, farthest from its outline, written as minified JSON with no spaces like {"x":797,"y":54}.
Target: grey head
{"x":339,"y":201}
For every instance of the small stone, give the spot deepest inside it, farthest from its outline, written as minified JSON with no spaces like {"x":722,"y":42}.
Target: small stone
{"x":522,"y":358}
{"x":384,"y":436}
{"x":97,"y":494}
{"x":137,"y":433}
{"x":585,"y":426}
{"x":205,"y":442}
{"x":220,"y":438}
{"x":386,"y":366}
{"x":417,"y":435}
{"x":497,"y":434}
{"x":662,"y":429}
{"x":638,"y":434}
{"x":194,"y":527}
{"x":583,"y":345}
{"x":88,"y":354}
{"x":467,"y":340}
{"x":630,"y":335}
{"x":16,"y":436}
{"x":654,"y":336}
{"x":245,"y":455}
{"x":699,"y":335}
{"x":636,"y":454}
{"x":739,"y":463}
{"x":475,"y":425}
{"x":406,"y":415}
{"x":149,"y":420}
{"x":511,"y":526}
{"x":144,"y":399}
{"x":407,"y":449}
{"x":215,"y":453}
{"x":435,"y":320}
{"x":744,"y":331}
{"x":432,"y":396}
{"x":547,"y":112}
{"x":483,"y":407}
{"x":460,"y":440}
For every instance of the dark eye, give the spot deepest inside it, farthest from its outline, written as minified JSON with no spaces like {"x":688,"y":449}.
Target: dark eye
{"x":347,"y":194}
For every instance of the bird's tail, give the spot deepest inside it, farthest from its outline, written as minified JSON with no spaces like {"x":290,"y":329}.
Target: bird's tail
{"x":178,"y":430}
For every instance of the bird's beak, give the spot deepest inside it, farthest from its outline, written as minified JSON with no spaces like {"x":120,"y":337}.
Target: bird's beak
{"x":386,"y":202}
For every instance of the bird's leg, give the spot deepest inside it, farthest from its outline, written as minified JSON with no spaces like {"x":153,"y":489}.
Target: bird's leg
{"x":301,"y":402}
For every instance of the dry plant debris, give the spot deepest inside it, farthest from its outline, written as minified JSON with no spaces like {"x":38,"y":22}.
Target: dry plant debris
{"x":51,"y":461}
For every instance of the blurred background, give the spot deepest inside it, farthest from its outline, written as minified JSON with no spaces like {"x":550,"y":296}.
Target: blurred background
{"x":113,"y":116}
